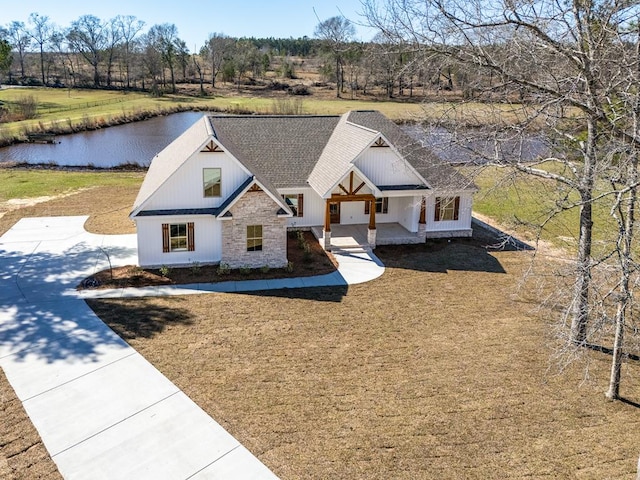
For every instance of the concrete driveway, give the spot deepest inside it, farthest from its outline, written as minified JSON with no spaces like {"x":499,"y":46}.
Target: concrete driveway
{"x":101,"y":409}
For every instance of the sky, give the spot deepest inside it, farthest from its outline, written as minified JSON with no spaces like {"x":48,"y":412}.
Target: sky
{"x":195,"y":19}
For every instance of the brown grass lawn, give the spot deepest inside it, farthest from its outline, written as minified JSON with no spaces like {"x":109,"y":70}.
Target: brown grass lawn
{"x":438,"y":369}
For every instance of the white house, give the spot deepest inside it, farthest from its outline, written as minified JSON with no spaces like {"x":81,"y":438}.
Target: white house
{"x":229,"y":187}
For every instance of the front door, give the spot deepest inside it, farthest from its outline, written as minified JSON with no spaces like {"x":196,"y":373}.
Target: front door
{"x":334,"y":212}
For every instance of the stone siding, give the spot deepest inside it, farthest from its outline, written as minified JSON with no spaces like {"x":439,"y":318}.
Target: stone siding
{"x":255,"y":208}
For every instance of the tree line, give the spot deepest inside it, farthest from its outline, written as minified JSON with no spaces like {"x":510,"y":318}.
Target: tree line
{"x":122,"y":52}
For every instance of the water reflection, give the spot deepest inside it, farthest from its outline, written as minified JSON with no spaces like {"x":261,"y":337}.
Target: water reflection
{"x":139,"y":142}
{"x":136,"y":142}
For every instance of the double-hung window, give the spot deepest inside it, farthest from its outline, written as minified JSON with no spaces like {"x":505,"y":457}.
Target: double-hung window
{"x":178,"y":237}
{"x":212,"y":182}
{"x":254,"y":238}
{"x":447,"y":208}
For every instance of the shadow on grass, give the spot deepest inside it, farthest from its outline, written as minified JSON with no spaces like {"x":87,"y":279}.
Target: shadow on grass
{"x":609,"y":351}
{"x":138,"y":318}
{"x":629,"y":402}
{"x":440,"y":257}
{"x":333,"y":294}
{"x":460,"y":254}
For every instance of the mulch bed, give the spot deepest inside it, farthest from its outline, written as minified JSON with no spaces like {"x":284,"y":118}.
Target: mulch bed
{"x":315,"y":262}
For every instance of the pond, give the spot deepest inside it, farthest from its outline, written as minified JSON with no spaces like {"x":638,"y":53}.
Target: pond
{"x":136,"y":142}
{"x":139,"y":142}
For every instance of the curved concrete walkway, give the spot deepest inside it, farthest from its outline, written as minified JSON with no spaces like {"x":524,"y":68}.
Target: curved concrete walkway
{"x":101,"y":409}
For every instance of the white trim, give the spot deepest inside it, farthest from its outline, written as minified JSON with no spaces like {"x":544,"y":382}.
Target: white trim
{"x":277,"y":200}
{"x":356,"y":170}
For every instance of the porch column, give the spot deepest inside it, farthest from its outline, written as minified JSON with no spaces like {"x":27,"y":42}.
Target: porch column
{"x":326,"y":233}
{"x":371,"y":233}
{"x":422,"y":223}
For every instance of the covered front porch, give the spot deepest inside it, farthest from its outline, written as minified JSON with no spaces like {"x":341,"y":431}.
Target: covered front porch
{"x":353,"y":236}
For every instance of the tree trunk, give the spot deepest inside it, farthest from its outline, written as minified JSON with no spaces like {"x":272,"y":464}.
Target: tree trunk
{"x":42,"y":63}
{"x":580,"y":310}
{"x":626,"y":265}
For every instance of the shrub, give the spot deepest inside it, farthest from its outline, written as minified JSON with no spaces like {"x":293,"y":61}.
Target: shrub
{"x":299,"y":90}
{"x":195,"y":267}
{"x":289,"y":267}
{"x":265,"y":269}
{"x":223,"y":269}
{"x":245,"y":270}
{"x":165,"y":270}
{"x":307,"y":256}
{"x":27,"y":106}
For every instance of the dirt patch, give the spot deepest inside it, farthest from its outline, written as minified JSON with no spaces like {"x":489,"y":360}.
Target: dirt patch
{"x":315,"y":261}
{"x":18,"y":203}
{"x":23,"y":456}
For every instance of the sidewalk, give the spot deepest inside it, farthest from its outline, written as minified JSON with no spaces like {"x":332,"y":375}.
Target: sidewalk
{"x":101,"y":409}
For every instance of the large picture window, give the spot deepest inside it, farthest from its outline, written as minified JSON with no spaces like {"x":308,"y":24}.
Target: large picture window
{"x":212,"y":181}
{"x":295,"y":203}
{"x":178,"y":237}
{"x":254,"y":238}
{"x":447,"y":208}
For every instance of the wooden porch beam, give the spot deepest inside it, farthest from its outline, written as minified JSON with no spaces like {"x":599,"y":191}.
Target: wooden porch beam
{"x":423,"y":211}
{"x":327,"y":216}
{"x":372,"y":214}
{"x":358,"y":189}
{"x":351,"y":198}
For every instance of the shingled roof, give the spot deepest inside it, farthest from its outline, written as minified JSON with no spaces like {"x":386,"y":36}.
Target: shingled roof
{"x":282,"y":149}
{"x":438,"y":173}
{"x":298,"y":151}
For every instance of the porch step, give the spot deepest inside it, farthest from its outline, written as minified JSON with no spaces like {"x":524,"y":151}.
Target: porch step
{"x":351,"y":249}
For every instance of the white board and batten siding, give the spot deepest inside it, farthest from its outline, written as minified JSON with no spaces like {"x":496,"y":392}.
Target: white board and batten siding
{"x":313,"y":208}
{"x":382,"y":166}
{"x":208,"y":241}
{"x":464,"y":214}
{"x":185,"y":189}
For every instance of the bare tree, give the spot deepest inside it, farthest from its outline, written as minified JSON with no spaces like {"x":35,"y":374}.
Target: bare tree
{"x":129,"y":27}
{"x":336,"y":32}
{"x":113,"y":38}
{"x":20,"y":40}
{"x":41,"y":31}
{"x":565,"y":63}
{"x":165,"y":39}
{"x":88,"y":36}
{"x":217,"y":49}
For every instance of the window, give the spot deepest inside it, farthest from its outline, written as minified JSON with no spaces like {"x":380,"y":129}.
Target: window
{"x":295,"y":203}
{"x":254,"y":238}
{"x":212,"y":180}
{"x":178,"y":237}
{"x":382,"y":205}
{"x":447,"y":208}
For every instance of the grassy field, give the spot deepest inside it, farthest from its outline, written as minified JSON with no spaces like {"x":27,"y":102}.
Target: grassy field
{"x":522,"y":202}
{"x":65,"y":110}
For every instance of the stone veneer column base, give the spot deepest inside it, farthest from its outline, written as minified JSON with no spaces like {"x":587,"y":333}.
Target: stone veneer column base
{"x":371,"y":237}
{"x":326,"y":236}
{"x":422,"y":231}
